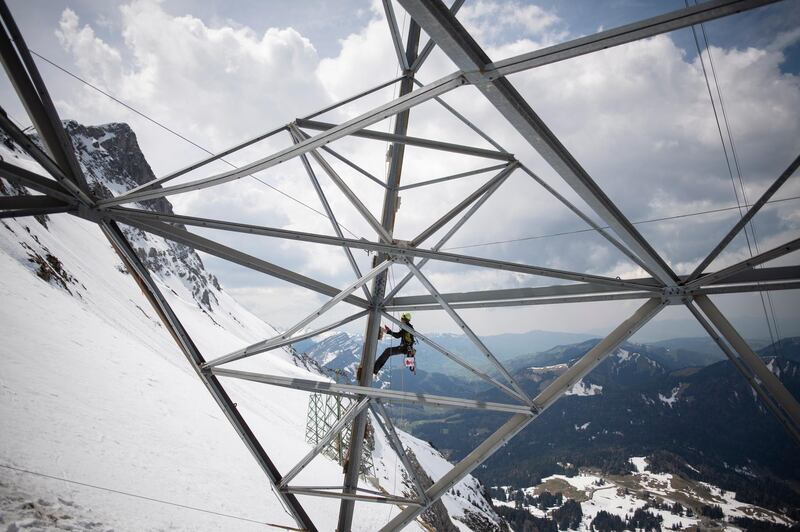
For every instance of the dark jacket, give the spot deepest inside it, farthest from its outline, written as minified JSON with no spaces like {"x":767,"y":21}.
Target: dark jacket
{"x":406,"y":338}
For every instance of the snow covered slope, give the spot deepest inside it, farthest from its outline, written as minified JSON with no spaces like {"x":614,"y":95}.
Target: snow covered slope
{"x":98,"y":405}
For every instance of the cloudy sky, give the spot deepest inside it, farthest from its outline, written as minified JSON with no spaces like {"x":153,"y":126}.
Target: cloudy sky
{"x":637,"y":117}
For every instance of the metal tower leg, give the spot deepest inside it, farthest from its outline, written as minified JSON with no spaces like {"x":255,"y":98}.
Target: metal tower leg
{"x":378,"y":290}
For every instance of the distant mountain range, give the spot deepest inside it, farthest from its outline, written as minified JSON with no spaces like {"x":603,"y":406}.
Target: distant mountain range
{"x":638,"y":402}
{"x":677,"y":398}
{"x":342,"y":351}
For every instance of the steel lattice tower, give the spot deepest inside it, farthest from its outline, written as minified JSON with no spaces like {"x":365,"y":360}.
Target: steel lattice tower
{"x":66,"y":191}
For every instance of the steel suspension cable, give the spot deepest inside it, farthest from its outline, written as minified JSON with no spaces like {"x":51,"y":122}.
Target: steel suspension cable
{"x":725,"y":151}
{"x":179,"y":135}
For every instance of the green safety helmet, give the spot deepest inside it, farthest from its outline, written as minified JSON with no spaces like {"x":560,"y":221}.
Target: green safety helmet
{"x":405,"y":316}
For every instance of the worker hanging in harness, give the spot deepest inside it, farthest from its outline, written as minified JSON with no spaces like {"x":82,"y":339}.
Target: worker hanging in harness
{"x":406,"y":346}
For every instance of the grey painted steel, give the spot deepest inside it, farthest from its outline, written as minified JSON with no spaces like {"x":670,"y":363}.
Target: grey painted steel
{"x":214,"y":248}
{"x":21,"y":213}
{"x":454,"y":176}
{"x":479,"y":455}
{"x":354,"y":166}
{"x":34,"y":181}
{"x":452,"y":356}
{"x":266,"y":345}
{"x":466,"y":121}
{"x":347,"y":128}
{"x":428,"y":48}
{"x":44,"y":160}
{"x":468,"y":332}
{"x":380,"y":414}
{"x":388,"y":215}
{"x":768,"y":401}
{"x":346,"y":190}
{"x":527,"y":302}
{"x":397,"y":39}
{"x":390,"y":249}
{"x":30,"y":202}
{"x":445,"y":238}
{"x":352,"y":390}
{"x":352,"y":497}
{"x":753,"y":261}
{"x":744,"y":219}
{"x":158,"y":182}
{"x":332,"y":217}
{"x":764,"y":275}
{"x":351,"y":412}
{"x":510,"y":293}
{"x":738,"y":289}
{"x":771,"y":276}
{"x":542,"y":401}
{"x":195,"y":358}
{"x":412,"y":141}
{"x":32,"y":91}
{"x":672,"y":21}
{"x":451,"y":37}
{"x":605,"y":234}
{"x":155,"y":184}
{"x":353,"y":98}
{"x":466,"y":202}
{"x":752,"y":361}
{"x":315,"y":332}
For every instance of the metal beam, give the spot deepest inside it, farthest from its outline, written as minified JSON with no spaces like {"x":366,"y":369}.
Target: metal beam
{"x":398,"y":105}
{"x":345,"y":495}
{"x":20,"y":213}
{"x":428,"y":48}
{"x":351,"y":412}
{"x":744,"y":219}
{"x":332,"y":217}
{"x":721,"y":275}
{"x":199,"y":164}
{"x":44,"y":160}
{"x":466,"y":202}
{"x":352,"y":390}
{"x":412,"y":141}
{"x":394,"y":31}
{"x":751,"y":360}
{"x":454,"y":176}
{"x":681,"y":18}
{"x":380,"y":414}
{"x":591,"y":223}
{"x":354,"y":166}
{"x":445,"y":238}
{"x":468,"y":332}
{"x":34,"y":181}
{"x":390,"y":249}
{"x":346,"y":190}
{"x":542,"y":401}
{"x":33,"y":93}
{"x":388,"y":215}
{"x":266,"y":345}
{"x":195,"y":358}
{"x":30,"y":202}
{"x":456,"y":42}
{"x":465,"y":120}
{"x":754,"y":383}
{"x":218,"y":250}
{"x":315,"y":332}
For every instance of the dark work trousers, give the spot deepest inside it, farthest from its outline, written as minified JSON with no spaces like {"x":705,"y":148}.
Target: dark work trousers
{"x":389,"y":351}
